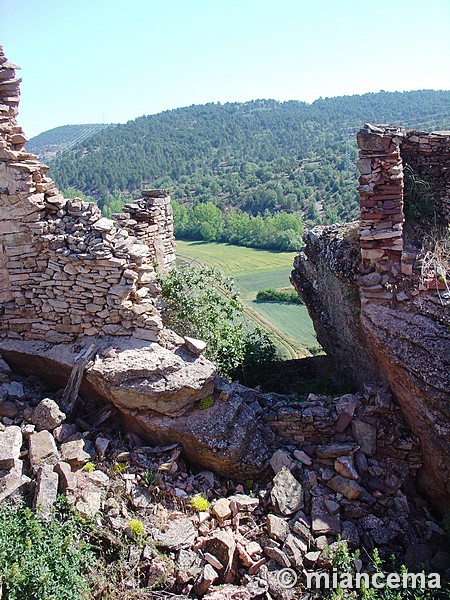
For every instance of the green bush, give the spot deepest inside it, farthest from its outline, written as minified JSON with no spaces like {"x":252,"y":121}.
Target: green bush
{"x":43,"y":559}
{"x":283,"y":296}
{"x":203,"y":303}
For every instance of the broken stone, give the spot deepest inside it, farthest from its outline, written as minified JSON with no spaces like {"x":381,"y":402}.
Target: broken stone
{"x":347,"y":487}
{"x":207,"y":578}
{"x":230,"y":592}
{"x":244,"y":503}
{"x":221,"y":509}
{"x":323,"y":523}
{"x":287,"y":493}
{"x":157,"y":572}
{"x":67,"y":481}
{"x":42,"y":449}
{"x":345,"y":467}
{"x":280,"y":459}
{"x":13,"y":481}
{"x":278,"y":556}
{"x":89,"y":503}
{"x":10,"y":444}
{"x":335,"y":450}
{"x":140,"y":498}
{"x":180,"y":534}
{"x":366,"y":436}
{"x":295,"y":549}
{"x":101,"y":445}
{"x":65,"y":432}
{"x":212,"y":560}
{"x":46,"y":490}
{"x":312,"y":557}
{"x":47,"y":415}
{"x":197,"y":347}
{"x":8,"y":409}
{"x":303,"y":457}
{"x":222,"y":545}
{"x":350,"y":534}
{"x":73,"y":453}
{"x":277,"y":528}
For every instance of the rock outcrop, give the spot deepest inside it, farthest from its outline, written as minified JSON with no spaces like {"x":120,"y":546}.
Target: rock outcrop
{"x":379,"y":313}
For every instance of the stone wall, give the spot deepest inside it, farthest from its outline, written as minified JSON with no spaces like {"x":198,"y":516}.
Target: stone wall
{"x":428,"y":154}
{"x":65,"y":270}
{"x":387,"y":264}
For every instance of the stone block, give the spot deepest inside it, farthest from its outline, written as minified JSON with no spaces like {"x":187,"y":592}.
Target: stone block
{"x":46,"y":490}
{"x":42,"y":449}
{"x":10,"y":444}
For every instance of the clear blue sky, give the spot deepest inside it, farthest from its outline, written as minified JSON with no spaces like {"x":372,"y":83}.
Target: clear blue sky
{"x":88,"y":61}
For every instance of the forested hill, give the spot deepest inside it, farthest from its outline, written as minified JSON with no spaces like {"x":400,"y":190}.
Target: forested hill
{"x":47,"y":144}
{"x":259,"y":155}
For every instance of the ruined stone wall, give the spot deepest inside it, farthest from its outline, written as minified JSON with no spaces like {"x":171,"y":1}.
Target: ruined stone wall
{"x":65,"y":270}
{"x":387,"y":265}
{"x":428,"y":154}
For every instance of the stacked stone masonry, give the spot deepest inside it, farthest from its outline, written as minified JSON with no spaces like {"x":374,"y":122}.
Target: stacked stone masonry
{"x":65,"y":270}
{"x":384,"y":150}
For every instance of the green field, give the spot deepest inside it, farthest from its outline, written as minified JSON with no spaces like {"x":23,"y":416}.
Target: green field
{"x":254,"y":270}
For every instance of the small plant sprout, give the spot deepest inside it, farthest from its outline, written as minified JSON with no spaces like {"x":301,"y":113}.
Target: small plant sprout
{"x":205,"y":403}
{"x":200,"y":503}
{"x":119,"y":467}
{"x":149,"y":478}
{"x":89,"y":467}
{"x":136,"y":527}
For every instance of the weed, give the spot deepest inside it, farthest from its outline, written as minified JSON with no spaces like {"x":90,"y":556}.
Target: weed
{"x":119,"y":467}
{"x":136,"y":527}
{"x":200,"y":503}
{"x":149,"y":478}
{"x":205,"y":403}
{"x":43,"y":558}
{"x":89,"y":467}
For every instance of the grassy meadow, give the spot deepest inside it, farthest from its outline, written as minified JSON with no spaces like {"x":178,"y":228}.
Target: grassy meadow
{"x":254,"y":270}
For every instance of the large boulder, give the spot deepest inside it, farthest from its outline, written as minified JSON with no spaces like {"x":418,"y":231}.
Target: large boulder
{"x":157,"y":391}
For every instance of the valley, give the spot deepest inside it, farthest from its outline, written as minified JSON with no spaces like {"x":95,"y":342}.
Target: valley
{"x":253,"y":270}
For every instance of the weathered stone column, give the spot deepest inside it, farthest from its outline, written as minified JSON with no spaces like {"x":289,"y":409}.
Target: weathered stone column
{"x":381,"y":206}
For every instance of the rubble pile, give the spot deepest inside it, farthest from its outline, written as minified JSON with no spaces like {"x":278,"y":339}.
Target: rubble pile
{"x":356,"y":484}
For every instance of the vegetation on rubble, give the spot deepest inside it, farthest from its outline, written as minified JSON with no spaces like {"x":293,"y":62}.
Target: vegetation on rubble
{"x":199,"y":502}
{"x":203,"y":303}
{"x":345,"y":561}
{"x":44,"y":558}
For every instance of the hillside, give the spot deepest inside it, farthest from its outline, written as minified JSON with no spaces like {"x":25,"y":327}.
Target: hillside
{"x":60,"y":139}
{"x":258,"y":155}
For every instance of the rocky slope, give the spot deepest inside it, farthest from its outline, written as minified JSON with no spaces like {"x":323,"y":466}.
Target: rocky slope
{"x":352,"y":477}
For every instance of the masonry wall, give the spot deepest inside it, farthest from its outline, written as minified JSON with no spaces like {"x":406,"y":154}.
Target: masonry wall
{"x":65,"y":270}
{"x":387,"y":265}
{"x":428,"y":154}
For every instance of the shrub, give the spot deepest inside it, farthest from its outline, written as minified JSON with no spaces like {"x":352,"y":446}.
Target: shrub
{"x":119,"y":467}
{"x":43,"y":558}
{"x":150,"y":478}
{"x":89,"y":467}
{"x":204,"y":303}
{"x":283,"y":296}
{"x":205,"y":403}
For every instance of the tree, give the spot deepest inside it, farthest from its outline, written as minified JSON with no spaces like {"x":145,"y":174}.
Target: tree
{"x":203,"y":303}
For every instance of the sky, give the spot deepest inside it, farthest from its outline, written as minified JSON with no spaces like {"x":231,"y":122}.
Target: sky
{"x":110,"y":61}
